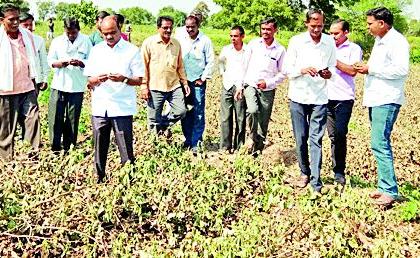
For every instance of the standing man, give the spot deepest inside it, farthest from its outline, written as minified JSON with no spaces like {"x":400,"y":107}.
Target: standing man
{"x":164,"y":78}
{"x":67,"y":56}
{"x":198,"y":58}
{"x":50,"y":32}
{"x":386,"y":72}
{"x":341,"y":89}
{"x":263,"y":75}
{"x":114,"y":67}
{"x":43,"y":70}
{"x":309,"y":61}
{"x":233,"y":62}
{"x":18,"y":100}
{"x":96,"y":36}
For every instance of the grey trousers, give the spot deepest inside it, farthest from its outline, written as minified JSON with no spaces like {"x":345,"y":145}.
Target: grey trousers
{"x":63,"y":118}
{"x":123,"y":130}
{"x":23,"y":109}
{"x":230,"y":110}
{"x":259,"y":106}
{"x":158,"y":122}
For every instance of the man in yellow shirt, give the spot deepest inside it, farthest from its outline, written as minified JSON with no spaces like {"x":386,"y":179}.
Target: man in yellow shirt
{"x":164,"y":77}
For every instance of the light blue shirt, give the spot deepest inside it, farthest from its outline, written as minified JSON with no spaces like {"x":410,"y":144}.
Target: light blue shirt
{"x":197,"y":55}
{"x":109,"y":98}
{"x":70,"y":78}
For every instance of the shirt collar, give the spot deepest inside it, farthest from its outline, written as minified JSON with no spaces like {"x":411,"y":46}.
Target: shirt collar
{"x":159,"y":39}
{"x":242,"y":49}
{"x":274,"y":44}
{"x":345,"y":44}
{"x":387,"y":37}
{"x":323,"y":40}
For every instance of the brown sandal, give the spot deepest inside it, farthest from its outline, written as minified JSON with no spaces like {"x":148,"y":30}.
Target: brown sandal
{"x":375,"y":194}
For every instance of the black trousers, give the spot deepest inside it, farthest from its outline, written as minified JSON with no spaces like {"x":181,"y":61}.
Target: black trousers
{"x":338,"y":117}
{"x":123,"y":130}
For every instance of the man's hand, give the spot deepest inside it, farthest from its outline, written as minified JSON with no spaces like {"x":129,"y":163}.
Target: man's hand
{"x":238,"y":94}
{"x":361,"y":68}
{"x":42,"y":86}
{"x":76,"y":62}
{"x":116,"y":77}
{"x":102,"y":78}
{"x":325,"y":73}
{"x":310,"y":70}
{"x":145,"y":93}
{"x":187,"y":90}
{"x":199,"y":82}
{"x":261,"y":84}
{"x":62,"y":64}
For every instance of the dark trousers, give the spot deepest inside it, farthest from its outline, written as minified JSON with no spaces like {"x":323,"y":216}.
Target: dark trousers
{"x":63,"y":118}
{"x":338,"y":117}
{"x":309,"y":122}
{"x":23,"y":109}
{"x":230,"y":109}
{"x":123,"y":131}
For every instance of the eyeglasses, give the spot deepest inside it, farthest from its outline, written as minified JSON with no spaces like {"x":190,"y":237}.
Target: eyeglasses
{"x":166,"y":27}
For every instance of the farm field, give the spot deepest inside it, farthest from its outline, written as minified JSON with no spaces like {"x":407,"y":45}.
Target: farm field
{"x":214,"y":205}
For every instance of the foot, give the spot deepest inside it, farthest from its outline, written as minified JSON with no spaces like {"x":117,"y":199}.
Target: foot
{"x":302,"y":182}
{"x":340,"y":180}
{"x":194,"y":151}
{"x":375,"y":194}
{"x":384,"y":201}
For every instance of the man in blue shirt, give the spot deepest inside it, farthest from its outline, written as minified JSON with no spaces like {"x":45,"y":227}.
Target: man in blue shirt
{"x":198,"y":58}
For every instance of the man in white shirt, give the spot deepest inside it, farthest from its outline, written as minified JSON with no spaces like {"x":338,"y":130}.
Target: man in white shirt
{"x":386,"y":73}
{"x":198,"y":58}
{"x":114,"y":67}
{"x":263,"y":75}
{"x":309,"y":61}
{"x":27,"y":21}
{"x":233,"y":61}
{"x":341,"y":89}
{"x":67,"y":56}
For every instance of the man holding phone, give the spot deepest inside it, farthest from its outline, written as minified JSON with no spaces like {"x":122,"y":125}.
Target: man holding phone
{"x":341,"y":94}
{"x":309,"y":61}
{"x":67,"y":55}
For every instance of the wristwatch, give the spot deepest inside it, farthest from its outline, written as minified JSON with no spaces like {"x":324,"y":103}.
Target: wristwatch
{"x":125,"y":80}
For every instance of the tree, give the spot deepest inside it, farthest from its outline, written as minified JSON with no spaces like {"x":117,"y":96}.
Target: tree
{"x":177,"y":15}
{"x":45,"y":9}
{"x":203,"y":9}
{"x":85,"y":12}
{"x":249,"y":14}
{"x":137,"y":15}
{"x":22,"y":4}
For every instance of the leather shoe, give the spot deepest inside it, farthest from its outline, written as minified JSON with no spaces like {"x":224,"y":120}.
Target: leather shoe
{"x":302,"y":182}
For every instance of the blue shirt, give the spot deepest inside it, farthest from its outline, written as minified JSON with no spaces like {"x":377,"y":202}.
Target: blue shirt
{"x":197,"y":55}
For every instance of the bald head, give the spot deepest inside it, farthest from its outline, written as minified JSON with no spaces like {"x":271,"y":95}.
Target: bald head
{"x":110,"y":30}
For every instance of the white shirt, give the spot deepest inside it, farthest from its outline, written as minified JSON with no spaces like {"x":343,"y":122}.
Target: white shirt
{"x":197,"y":55}
{"x":42,"y":61}
{"x":265,"y":63}
{"x":388,"y":70}
{"x":341,"y":85}
{"x":70,"y":78}
{"x":233,"y":65}
{"x":303,"y":53}
{"x":113,"y":99}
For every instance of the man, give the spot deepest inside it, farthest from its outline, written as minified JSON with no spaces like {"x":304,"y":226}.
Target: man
{"x":43,"y":70}
{"x":198,"y":58}
{"x":309,"y":61}
{"x":50,"y":32}
{"x":96,"y":36}
{"x":386,"y":72}
{"x":120,"y":20}
{"x":67,"y":56}
{"x":114,"y":67}
{"x":263,"y":75}
{"x":341,"y":96}
{"x":164,"y":78}
{"x":233,"y":62}
{"x":18,"y":101}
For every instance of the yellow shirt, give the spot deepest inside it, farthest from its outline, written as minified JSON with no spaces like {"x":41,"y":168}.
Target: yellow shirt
{"x":164,"y":70}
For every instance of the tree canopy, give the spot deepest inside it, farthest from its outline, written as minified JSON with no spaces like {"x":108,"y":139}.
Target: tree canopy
{"x":137,"y":15}
{"x":22,"y":4}
{"x":177,"y":15}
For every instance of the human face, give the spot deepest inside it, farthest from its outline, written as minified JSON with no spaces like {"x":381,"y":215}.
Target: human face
{"x":375,"y":27}
{"x":72,"y":34}
{"x":236,"y":38}
{"x":336,"y":30}
{"x":165,"y":30}
{"x":110,"y":32}
{"x":267,"y":31}
{"x":11,"y":21}
{"x":192,"y":28}
{"x":315,"y":26}
{"x":28,"y":24}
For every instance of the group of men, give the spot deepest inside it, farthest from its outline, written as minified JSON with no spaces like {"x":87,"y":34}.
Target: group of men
{"x":172,"y":73}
